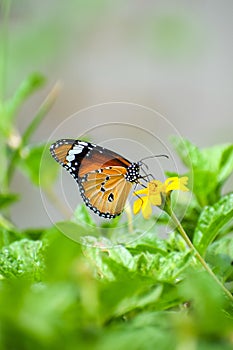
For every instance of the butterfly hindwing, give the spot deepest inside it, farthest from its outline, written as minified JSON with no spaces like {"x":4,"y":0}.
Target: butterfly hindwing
{"x":106,"y":191}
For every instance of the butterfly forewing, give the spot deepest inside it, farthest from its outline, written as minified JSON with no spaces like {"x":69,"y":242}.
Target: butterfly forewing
{"x":60,"y":149}
{"x":104,"y":177}
{"x":100,"y":158}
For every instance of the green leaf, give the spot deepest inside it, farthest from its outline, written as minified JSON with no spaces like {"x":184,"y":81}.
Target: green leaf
{"x":148,"y":243}
{"x":111,"y":224}
{"x":27,"y":87}
{"x":200,"y":170}
{"x":187,"y":209}
{"x":206,"y":187}
{"x":147,"y":330}
{"x":225,"y":163}
{"x":37,"y":164}
{"x":22,"y":258}
{"x":158,"y":263}
{"x":41,"y":114}
{"x":220,"y":256}
{"x":8,"y":232}
{"x":212,"y":221}
{"x":188,"y":152}
{"x":172,"y":267}
{"x":140,"y":301}
{"x":34,"y":234}
{"x":76,"y":231}
{"x":110,"y":261}
{"x":9,"y":110}
{"x":18,"y":151}
{"x":209,"y":168}
{"x":82,"y":215}
{"x":166,"y":262}
{"x":7,"y":199}
{"x":62,"y":254}
{"x":208,"y":303}
{"x":3,"y":164}
{"x":6,"y":224}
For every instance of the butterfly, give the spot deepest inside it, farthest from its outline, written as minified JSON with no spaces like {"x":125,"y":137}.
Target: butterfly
{"x":104,"y":177}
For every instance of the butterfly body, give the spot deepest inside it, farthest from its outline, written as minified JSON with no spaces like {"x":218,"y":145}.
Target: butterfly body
{"x":104,"y":177}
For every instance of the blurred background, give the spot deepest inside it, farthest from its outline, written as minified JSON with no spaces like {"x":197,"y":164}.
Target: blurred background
{"x":174,"y":57}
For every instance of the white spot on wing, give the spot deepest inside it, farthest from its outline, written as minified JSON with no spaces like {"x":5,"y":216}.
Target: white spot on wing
{"x":76,"y":150}
{"x":70,"y":157}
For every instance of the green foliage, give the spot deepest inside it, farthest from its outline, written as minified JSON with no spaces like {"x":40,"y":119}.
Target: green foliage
{"x":7,"y":199}
{"x":208,"y":168}
{"x":36,"y":163}
{"x":10,"y":108}
{"x":212,"y":222}
{"x":208,"y":171}
{"x":97,"y":294}
{"x":22,"y":258}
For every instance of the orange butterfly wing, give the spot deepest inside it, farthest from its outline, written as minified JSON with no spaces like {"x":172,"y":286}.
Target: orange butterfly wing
{"x":100,"y":158}
{"x":106,"y":192}
{"x":103,"y":176}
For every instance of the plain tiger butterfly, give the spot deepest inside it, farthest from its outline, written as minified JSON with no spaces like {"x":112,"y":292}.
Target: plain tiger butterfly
{"x":104,"y":177}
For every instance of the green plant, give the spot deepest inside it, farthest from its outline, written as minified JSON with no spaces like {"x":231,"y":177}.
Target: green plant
{"x":151,"y":293}
{"x":56,"y":293}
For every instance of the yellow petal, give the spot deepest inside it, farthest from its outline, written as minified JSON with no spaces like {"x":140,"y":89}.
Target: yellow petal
{"x":171,"y":183}
{"x":175,"y":183}
{"x":154,"y":192}
{"x":146,"y":209}
{"x":140,"y":192}
{"x":156,"y":199}
{"x":137,"y":205}
{"x":183,"y":183}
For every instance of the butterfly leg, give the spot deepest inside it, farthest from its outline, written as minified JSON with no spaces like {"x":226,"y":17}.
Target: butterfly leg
{"x":147,"y":178}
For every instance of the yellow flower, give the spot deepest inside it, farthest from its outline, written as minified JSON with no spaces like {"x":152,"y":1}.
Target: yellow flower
{"x":155,"y":191}
{"x":152,"y":197}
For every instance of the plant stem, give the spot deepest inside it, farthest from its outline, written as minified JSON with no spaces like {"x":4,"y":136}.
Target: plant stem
{"x":196,"y":253}
{"x":45,"y":107}
{"x":130,"y":217}
{"x":54,"y":199}
{"x":5,"y":9}
{"x":40,"y":115}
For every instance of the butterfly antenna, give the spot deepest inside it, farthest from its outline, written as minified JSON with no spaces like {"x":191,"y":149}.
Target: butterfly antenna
{"x":155,"y":156}
{"x":147,"y":176}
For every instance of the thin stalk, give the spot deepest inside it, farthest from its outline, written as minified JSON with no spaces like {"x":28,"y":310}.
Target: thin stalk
{"x":5,"y":9}
{"x":54,"y":199}
{"x":42,"y":112}
{"x":196,"y":253}
{"x":129,"y":217}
